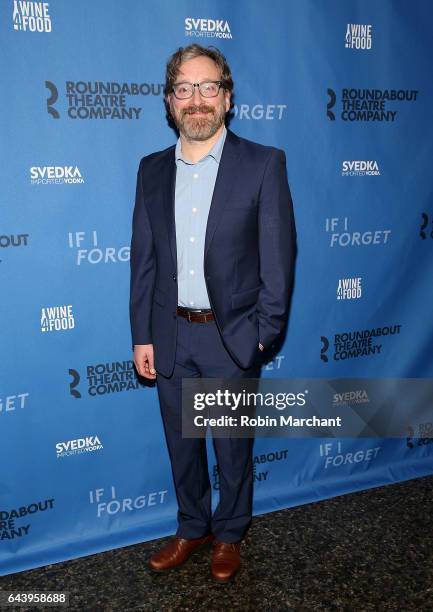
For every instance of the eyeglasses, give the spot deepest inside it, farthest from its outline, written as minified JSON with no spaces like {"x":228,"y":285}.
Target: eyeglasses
{"x":207,"y":89}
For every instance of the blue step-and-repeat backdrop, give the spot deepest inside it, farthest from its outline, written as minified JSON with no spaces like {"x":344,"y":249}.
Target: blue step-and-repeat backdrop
{"x":346,"y":89}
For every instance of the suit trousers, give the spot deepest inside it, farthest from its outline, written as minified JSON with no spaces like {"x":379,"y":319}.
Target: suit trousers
{"x":200,"y":352}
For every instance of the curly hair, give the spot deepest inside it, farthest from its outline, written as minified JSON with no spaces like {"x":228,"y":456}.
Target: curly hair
{"x":184,"y":54}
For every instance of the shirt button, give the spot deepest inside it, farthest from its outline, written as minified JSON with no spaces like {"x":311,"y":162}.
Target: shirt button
{"x":191,"y":272}
{"x":194,"y":209}
{"x":195,"y":175}
{"x":191,"y":303}
{"x":192,"y":238}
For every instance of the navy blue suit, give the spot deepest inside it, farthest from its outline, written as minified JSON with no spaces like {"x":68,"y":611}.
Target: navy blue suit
{"x":248,"y":268}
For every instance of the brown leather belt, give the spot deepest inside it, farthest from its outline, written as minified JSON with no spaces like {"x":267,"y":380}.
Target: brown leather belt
{"x":195,"y":316}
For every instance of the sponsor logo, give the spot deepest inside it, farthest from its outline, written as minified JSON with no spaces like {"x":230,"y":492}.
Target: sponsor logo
{"x":55,"y":175}
{"x":360,"y":168}
{"x":331,"y":103}
{"x":425,"y":435}
{"x":74,"y":383}
{"x":104,"y":378}
{"x":350,"y":398}
{"x":52,"y":99}
{"x":28,"y":16}
{"x":207,"y":28}
{"x":349,"y":288}
{"x":324,"y":349}
{"x":89,"y":444}
{"x":259,"y":461}
{"x":335,"y":457}
{"x":10,"y":403}
{"x":358,"y":36}
{"x":87,"y":250}
{"x":358,"y":343}
{"x":268,"y":112}
{"x":425,"y":231}
{"x":100,"y":99}
{"x":368,"y":104}
{"x":346,"y":238}
{"x":57,"y":318}
{"x":124,"y":504}
{"x":9,"y":530}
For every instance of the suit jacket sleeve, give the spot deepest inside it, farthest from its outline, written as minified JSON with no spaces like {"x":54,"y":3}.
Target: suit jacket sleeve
{"x":142,"y":269}
{"x":277,"y":239}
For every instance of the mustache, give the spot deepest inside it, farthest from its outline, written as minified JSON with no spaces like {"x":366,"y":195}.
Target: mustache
{"x":200,"y":108}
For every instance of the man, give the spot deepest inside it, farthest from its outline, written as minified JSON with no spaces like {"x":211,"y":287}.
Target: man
{"x":211,"y":272}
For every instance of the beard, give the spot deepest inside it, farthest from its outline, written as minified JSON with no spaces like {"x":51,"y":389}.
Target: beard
{"x":199,"y":128}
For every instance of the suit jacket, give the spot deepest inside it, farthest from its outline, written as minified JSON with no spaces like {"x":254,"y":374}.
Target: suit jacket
{"x":248,"y":254}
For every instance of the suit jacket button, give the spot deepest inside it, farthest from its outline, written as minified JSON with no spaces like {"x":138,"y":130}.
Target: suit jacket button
{"x":174,"y":277}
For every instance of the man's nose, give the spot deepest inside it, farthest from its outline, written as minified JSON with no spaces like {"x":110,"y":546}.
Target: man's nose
{"x":197,"y":98}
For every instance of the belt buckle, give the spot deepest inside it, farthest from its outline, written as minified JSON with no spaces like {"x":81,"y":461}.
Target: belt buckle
{"x":189,"y":316}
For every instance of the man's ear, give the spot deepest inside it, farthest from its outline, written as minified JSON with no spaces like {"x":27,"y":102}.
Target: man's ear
{"x":227,"y":98}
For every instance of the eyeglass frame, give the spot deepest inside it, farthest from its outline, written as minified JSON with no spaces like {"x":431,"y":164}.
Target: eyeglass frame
{"x":194,"y":85}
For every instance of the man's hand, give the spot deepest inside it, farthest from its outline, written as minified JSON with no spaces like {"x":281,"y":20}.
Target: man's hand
{"x":143,"y":359}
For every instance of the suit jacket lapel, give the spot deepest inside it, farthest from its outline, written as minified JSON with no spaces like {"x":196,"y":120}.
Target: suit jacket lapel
{"x":225,"y":178}
{"x":168,"y":180}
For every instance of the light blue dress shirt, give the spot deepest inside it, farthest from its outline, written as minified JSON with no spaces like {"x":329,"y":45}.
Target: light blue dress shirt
{"x":195,"y":184}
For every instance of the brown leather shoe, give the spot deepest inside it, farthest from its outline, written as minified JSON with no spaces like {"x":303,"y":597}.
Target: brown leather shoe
{"x":226,"y":560}
{"x":175,"y":553}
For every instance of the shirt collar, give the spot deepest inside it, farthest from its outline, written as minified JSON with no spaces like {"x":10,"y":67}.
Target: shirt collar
{"x":215,"y":152}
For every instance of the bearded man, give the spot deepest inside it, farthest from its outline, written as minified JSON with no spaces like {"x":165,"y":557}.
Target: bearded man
{"x":212,"y":257}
